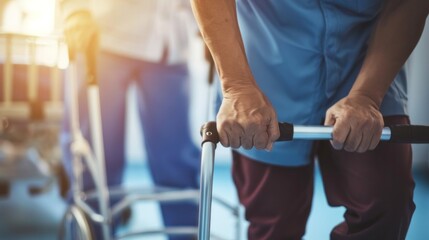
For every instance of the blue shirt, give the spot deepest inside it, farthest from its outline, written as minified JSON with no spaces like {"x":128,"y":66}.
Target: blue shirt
{"x":305,"y":56}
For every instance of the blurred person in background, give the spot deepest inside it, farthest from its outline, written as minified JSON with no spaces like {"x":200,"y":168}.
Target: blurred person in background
{"x":145,"y":42}
{"x":31,"y":61}
{"x":308,"y":63}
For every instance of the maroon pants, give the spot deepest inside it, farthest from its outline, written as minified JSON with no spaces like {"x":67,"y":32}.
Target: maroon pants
{"x":376,"y":188}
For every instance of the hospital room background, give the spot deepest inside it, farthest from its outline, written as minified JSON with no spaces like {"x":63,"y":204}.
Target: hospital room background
{"x":25,"y":215}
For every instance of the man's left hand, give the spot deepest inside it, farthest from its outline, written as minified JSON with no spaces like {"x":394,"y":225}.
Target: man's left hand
{"x":357,"y":123}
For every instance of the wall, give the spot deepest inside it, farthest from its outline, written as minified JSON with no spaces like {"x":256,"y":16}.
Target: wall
{"x":418,"y":89}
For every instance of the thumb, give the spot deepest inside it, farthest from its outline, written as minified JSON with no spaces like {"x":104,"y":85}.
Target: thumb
{"x":329,"y":119}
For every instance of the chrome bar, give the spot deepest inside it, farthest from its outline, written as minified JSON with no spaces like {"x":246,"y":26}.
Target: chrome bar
{"x":178,"y":195}
{"x":207,"y":162}
{"x":98,"y":145}
{"x":95,"y":217}
{"x":325,"y":133}
{"x":81,"y":221}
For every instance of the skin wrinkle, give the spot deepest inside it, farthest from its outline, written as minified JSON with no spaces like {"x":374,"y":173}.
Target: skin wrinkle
{"x":349,"y":178}
{"x":394,"y":37}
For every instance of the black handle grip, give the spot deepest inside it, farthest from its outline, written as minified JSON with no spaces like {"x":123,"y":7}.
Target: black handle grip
{"x":286,"y":132}
{"x":409,"y":134}
{"x":209,"y":132}
{"x":398,"y":133}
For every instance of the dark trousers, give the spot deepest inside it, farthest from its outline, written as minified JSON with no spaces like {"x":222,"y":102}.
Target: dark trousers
{"x":375,"y":187}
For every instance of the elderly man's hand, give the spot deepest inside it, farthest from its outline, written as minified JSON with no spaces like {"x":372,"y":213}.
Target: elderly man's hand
{"x":247,"y":119}
{"x":357,"y":124}
{"x":81,"y":31}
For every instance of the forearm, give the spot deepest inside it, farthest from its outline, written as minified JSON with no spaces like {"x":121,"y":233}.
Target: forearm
{"x":395,"y":35}
{"x":218,"y":24}
{"x":246,"y":117}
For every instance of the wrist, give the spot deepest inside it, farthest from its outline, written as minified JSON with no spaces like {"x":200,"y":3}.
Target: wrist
{"x":233,"y":87}
{"x":371,"y":99}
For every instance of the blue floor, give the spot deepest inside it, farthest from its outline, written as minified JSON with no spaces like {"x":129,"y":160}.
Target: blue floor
{"x":23,"y":217}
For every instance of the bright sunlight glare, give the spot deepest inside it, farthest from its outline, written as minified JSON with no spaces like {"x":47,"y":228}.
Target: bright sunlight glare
{"x":36,"y":19}
{"x":29,"y":16}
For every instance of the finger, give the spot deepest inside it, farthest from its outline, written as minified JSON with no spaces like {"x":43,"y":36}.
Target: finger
{"x":353,"y":140}
{"x":235,"y":135}
{"x":248,"y":135}
{"x":223,"y":136}
{"x":247,"y":141}
{"x":261,"y":137}
{"x":330,"y":119}
{"x":260,"y":141}
{"x":235,"y":141}
{"x":224,"y":139}
{"x":340,"y":133}
{"x":273,"y":133}
{"x":366,"y":139}
{"x":375,"y":139}
{"x":364,"y":144}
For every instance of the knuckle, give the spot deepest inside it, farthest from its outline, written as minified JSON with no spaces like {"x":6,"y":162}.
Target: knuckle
{"x":347,"y":115}
{"x":250,"y":127}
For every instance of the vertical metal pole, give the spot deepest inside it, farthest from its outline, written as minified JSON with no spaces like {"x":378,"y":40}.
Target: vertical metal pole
{"x":73,"y":99}
{"x":238,"y":224}
{"x":96,"y":127}
{"x":207,"y":163}
{"x":97,"y":143}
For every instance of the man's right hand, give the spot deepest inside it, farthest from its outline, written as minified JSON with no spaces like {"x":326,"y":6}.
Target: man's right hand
{"x":81,"y":31}
{"x":247,"y":119}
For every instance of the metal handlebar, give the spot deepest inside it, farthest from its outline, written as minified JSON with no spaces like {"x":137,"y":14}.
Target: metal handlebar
{"x":288,"y":132}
